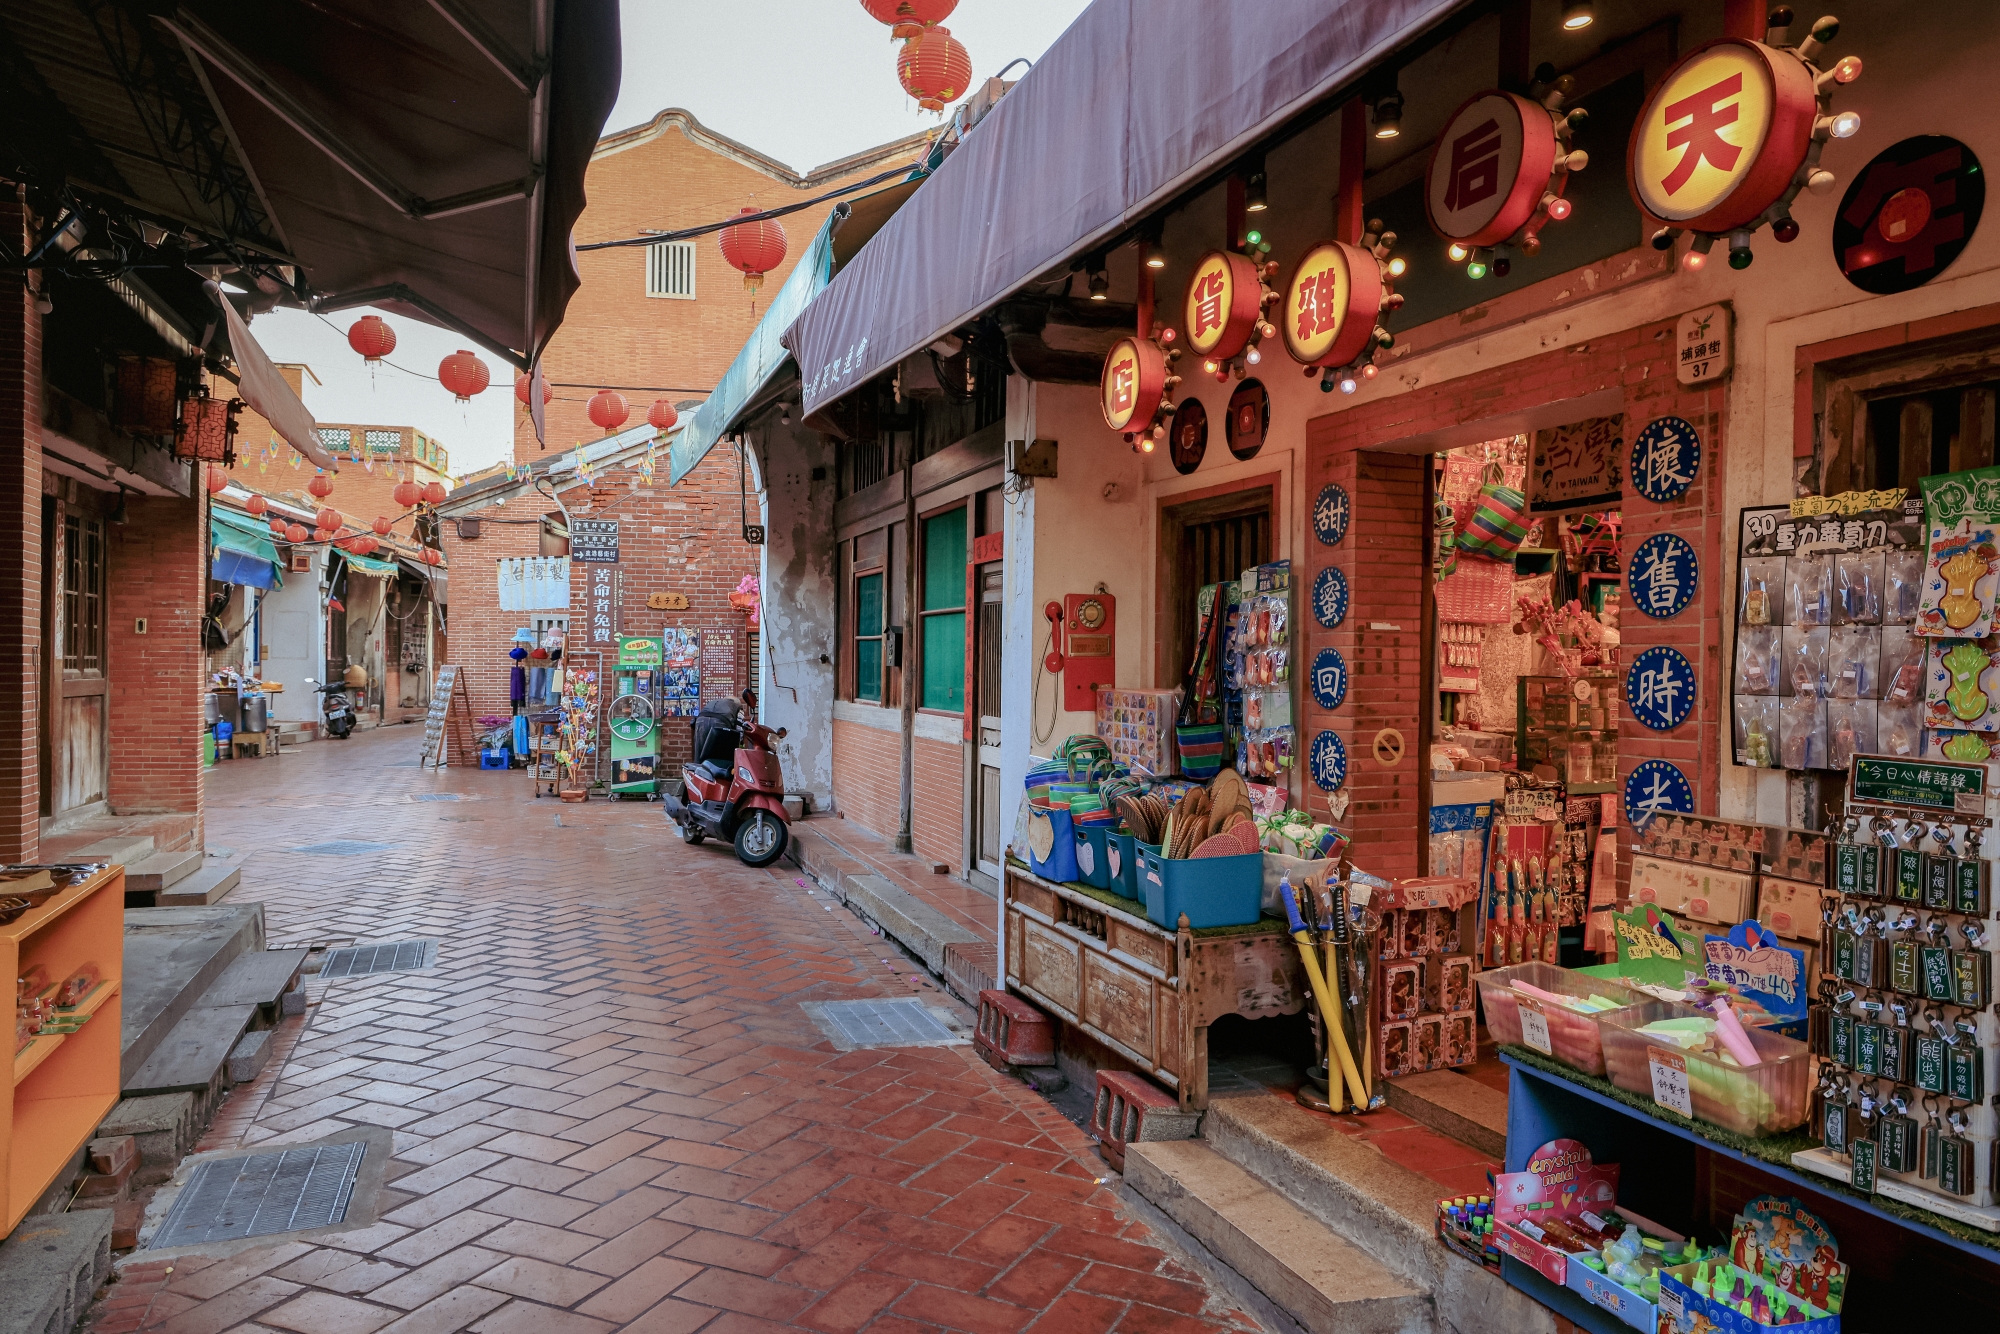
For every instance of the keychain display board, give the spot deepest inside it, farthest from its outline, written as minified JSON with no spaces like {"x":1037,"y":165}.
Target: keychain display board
{"x":1257,"y":672}
{"x":579,"y":741}
{"x":1956,"y":614}
{"x":1826,"y":665}
{"x":1903,"y":1020}
{"x":448,"y":723}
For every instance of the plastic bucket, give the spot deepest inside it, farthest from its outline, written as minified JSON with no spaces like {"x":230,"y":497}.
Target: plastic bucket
{"x":1211,"y":891}
{"x":1122,"y":852}
{"x":1060,"y":864}
{"x":1093,"y":855}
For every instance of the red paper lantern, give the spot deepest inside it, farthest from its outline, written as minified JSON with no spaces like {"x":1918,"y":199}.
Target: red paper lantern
{"x":661,"y":416}
{"x":608,"y":407}
{"x":362,"y":545}
{"x":278,"y":527}
{"x":295,"y":532}
{"x":324,"y":534}
{"x":934,"y":68}
{"x":521,"y":384}
{"x":321,"y":485}
{"x":216,"y":480}
{"x":256,"y":505}
{"x":754,"y":247}
{"x":463,"y":374}
{"x":328,"y":518}
{"x":382,"y":525}
{"x":436,"y":493}
{"x":406,"y":494}
{"x":907,"y":18}
{"x":372,"y":337}
{"x":431,"y":556}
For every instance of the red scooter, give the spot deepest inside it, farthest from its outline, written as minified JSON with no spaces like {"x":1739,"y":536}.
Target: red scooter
{"x":735,"y":788}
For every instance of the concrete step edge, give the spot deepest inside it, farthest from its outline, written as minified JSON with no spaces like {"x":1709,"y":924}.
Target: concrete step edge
{"x":162,"y":870}
{"x":1454,"y":1105}
{"x":1313,"y":1275}
{"x":1379,"y":1205}
{"x":210,"y":884}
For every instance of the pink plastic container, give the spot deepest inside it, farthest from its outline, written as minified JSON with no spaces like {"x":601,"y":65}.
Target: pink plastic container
{"x":1573,"y":1036}
{"x":1758,"y":1100}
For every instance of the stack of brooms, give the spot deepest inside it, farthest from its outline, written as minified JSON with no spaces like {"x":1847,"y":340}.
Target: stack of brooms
{"x":1215,"y":821}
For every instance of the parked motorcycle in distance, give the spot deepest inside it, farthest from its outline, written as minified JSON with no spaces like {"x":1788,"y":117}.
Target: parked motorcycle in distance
{"x":734,"y":788}
{"x":335,"y":713}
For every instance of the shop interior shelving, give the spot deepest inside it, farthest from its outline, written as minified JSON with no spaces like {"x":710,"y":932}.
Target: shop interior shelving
{"x":63,"y":1085}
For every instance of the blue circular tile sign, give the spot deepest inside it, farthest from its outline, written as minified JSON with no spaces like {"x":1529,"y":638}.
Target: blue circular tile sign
{"x":1662,"y":574}
{"x":1665,"y":459}
{"x":1330,"y":597}
{"x":1659,"y":688}
{"x":1329,"y":762}
{"x":1329,"y":679}
{"x":1330,"y":514}
{"x":1656,"y":786}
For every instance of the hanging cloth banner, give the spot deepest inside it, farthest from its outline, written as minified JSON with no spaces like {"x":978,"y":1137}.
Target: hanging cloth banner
{"x":267,"y":393}
{"x":534,"y":583}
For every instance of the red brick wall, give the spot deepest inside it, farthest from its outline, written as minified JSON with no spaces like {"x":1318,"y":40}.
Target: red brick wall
{"x":156,"y":570}
{"x":937,"y":812}
{"x":480,"y":632}
{"x":867,"y":775}
{"x":614,"y":335}
{"x":20,"y":555}
{"x":1382,"y":555}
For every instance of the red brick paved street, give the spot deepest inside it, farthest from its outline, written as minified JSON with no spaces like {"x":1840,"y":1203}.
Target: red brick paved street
{"x":608,"y":1109}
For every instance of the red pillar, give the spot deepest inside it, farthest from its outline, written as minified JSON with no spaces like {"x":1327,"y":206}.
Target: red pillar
{"x":21,"y":553}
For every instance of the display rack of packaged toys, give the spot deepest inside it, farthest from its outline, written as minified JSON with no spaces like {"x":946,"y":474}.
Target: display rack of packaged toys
{"x":1904,"y":1024}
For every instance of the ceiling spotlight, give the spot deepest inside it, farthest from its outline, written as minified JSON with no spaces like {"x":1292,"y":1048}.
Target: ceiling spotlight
{"x":1254,"y":200}
{"x":1578,"y":15}
{"x":1389,"y":116}
{"x":1155,"y":252}
{"x":1100,"y":281}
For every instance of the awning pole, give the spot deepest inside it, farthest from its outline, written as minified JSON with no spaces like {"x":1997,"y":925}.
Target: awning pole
{"x":909,"y":701}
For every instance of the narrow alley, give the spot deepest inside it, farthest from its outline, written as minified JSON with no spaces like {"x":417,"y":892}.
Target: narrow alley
{"x":606,"y":1105}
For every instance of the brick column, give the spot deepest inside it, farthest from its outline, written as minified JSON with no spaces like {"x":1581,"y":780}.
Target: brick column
{"x":157,"y":570}
{"x":21,"y":554}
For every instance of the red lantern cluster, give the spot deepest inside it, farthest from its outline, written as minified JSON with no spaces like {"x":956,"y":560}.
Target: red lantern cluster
{"x":661,"y":416}
{"x":372,"y":337}
{"x":608,"y":408}
{"x":907,"y":18}
{"x":463,"y":374}
{"x":755,"y":248}
{"x":278,"y":528}
{"x":523,"y":387}
{"x":934,"y":68}
{"x":328,"y":517}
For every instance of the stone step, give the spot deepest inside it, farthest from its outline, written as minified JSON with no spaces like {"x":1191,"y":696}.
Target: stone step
{"x":211,"y":884}
{"x":1371,"y":1201}
{"x":124,"y":850}
{"x":1325,"y":1283}
{"x":191,"y":1055}
{"x":259,"y":977}
{"x":157,"y":872}
{"x":50,"y":1267}
{"x":1455,"y":1105}
{"x":172,"y":955}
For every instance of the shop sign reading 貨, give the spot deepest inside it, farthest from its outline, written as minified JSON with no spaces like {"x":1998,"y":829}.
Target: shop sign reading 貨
{"x":1224,"y":300}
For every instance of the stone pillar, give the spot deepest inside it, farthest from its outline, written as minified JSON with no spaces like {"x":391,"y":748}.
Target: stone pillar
{"x":20,"y":550}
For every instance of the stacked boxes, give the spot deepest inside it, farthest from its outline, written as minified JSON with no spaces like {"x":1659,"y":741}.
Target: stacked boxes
{"x":1427,"y":1018}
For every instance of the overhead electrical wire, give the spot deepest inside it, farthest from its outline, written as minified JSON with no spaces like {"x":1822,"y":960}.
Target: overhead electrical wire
{"x":689,"y":233}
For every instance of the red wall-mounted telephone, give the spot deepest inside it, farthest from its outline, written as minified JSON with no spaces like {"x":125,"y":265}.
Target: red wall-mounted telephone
{"x":1090,"y":624}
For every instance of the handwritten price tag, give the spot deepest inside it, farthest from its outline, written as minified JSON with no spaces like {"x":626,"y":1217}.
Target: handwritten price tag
{"x":1670,"y":1080}
{"x":1535,"y":1028}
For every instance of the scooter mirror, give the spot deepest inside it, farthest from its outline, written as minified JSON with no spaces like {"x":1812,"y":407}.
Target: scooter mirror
{"x":781,"y":734}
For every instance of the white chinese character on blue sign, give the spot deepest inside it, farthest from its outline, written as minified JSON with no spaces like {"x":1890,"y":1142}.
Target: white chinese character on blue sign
{"x":1329,"y":679}
{"x":1663,"y":575}
{"x":1656,"y":786}
{"x":1330,"y":514}
{"x":1665,"y":459}
{"x":1330,"y":597}
{"x":1328,"y":762}
{"x":1660,"y":689}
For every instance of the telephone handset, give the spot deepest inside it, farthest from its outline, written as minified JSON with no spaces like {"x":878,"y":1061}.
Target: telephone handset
{"x":1054,"y":661}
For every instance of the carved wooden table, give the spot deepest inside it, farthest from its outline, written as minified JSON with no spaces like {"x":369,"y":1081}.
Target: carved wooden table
{"x":1148,"y":994}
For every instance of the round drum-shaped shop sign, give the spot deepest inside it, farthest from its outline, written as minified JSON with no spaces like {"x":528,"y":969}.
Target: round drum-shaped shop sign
{"x":1662,"y":575}
{"x":1249,"y":418}
{"x":1656,"y":786}
{"x":1330,"y":514}
{"x":1330,"y":597}
{"x":1187,"y":435}
{"x":1490,"y":169}
{"x":1224,"y":300}
{"x":1331,"y":304}
{"x":1329,"y":679}
{"x":1135,"y":377}
{"x":1328,"y":762}
{"x":1721,"y":137}
{"x":1659,"y":688}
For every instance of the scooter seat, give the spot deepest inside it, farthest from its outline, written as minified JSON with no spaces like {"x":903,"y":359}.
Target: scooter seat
{"x":711,"y":769}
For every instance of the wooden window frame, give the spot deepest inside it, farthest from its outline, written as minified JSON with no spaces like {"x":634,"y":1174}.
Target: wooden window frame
{"x":917,"y":615}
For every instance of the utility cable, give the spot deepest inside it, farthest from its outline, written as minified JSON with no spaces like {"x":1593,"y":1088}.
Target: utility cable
{"x":688,"y":233}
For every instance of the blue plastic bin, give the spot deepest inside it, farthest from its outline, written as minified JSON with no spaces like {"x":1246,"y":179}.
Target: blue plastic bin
{"x":1060,"y":864}
{"x":493,"y":759}
{"x":1124,"y":864}
{"x":1212,"y":891}
{"x":1093,"y":857}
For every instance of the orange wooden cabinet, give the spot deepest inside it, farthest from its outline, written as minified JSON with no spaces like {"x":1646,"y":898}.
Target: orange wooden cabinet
{"x":63,"y":1084}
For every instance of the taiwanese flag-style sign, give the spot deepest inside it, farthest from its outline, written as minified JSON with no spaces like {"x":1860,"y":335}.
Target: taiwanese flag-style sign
{"x":1331,"y":304}
{"x":1135,"y":377}
{"x":1224,"y":299}
{"x":1490,"y":169}
{"x":1722,"y":136}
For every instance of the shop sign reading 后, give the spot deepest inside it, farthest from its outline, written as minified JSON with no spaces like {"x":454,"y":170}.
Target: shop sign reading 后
{"x":1332,"y":304}
{"x":1490,"y":169}
{"x":1701,"y":346}
{"x":1721,"y":137}
{"x":1224,"y":300}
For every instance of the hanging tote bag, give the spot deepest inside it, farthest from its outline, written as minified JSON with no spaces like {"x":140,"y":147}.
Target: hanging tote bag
{"x":1499,"y":522}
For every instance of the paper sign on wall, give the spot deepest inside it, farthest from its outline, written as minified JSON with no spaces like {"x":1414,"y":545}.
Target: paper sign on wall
{"x":1578,"y":466}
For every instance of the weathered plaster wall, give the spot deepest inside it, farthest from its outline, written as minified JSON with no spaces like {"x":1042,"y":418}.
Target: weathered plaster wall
{"x":798,"y":577}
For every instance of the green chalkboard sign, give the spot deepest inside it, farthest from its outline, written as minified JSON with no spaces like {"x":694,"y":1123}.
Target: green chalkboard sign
{"x":1927,"y":784}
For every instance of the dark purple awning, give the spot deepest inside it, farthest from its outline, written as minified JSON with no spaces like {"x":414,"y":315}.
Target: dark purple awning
{"x":1120,"y":114}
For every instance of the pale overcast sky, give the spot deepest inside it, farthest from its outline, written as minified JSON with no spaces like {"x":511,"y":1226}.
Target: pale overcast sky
{"x":804,"y":81}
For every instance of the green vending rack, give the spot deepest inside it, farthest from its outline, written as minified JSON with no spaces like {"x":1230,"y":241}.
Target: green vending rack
{"x":634,"y":715}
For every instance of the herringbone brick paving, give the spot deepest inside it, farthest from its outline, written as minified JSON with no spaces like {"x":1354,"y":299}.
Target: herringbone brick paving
{"x":608,"y":1110}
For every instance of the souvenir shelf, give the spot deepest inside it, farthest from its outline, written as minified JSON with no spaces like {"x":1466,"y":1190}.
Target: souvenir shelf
{"x":1572,"y":725}
{"x":63,"y":1084}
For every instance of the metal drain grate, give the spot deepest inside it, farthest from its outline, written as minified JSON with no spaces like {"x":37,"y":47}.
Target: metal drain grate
{"x":881,"y":1023}
{"x":436,"y":796}
{"x":395,"y":956}
{"x":343,"y":847}
{"x":263,"y":1193}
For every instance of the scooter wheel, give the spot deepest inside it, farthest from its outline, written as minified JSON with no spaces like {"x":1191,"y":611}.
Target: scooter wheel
{"x":691,"y":833}
{"x":761,"y":839}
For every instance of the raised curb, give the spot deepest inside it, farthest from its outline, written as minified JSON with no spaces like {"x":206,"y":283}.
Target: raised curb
{"x":1451,"y":1104}
{"x":50,"y":1267}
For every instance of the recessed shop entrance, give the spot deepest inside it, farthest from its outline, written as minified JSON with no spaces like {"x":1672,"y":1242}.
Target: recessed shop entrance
{"x":1207,"y":539}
